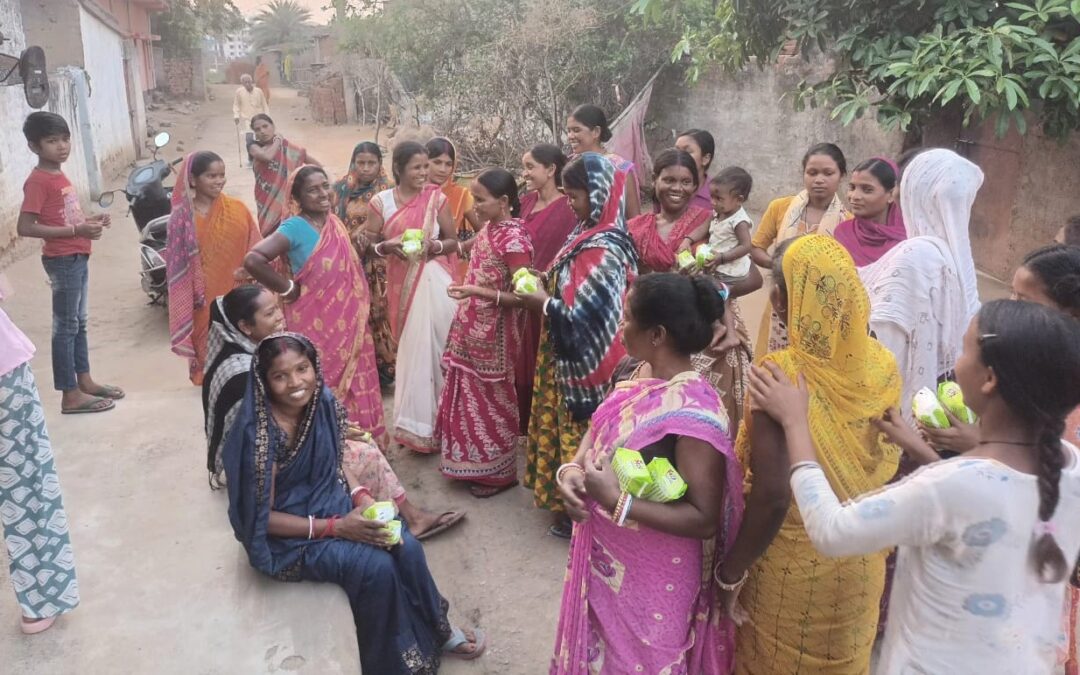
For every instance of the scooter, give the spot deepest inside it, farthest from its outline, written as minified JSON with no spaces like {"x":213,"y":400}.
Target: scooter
{"x":150,"y":202}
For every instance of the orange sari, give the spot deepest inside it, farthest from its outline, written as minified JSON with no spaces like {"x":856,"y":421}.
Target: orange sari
{"x":225,"y":235}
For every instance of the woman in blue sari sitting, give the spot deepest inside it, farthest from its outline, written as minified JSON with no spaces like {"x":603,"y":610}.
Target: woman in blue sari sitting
{"x":298,"y":512}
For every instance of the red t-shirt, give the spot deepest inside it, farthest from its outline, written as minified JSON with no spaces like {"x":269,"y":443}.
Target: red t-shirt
{"x":52,"y":198}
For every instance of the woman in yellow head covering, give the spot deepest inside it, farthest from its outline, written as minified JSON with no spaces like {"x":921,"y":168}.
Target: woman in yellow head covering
{"x":805,"y":613}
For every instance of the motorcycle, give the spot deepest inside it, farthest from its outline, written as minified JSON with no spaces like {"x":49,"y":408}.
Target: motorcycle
{"x":149,"y":203}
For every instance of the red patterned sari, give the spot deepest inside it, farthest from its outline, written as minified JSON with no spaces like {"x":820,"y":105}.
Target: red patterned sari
{"x":272,"y":181}
{"x":658,"y":253}
{"x":477,"y":424}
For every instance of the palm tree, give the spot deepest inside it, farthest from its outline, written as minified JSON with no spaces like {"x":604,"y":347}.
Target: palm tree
{"x":280,"y":22}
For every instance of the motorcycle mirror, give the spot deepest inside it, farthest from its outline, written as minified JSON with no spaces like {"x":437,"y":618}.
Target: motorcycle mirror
{"x":162,"y":139}
{"x":105,"y":200}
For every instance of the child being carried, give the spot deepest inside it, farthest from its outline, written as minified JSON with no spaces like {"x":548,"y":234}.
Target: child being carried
{"x":729,"y":230}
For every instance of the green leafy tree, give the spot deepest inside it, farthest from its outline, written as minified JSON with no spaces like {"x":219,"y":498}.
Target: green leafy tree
{"x":185,"y":23}
{"x":281,"y":22}
{"x":500,"y":75}
{"x":906,"y":60}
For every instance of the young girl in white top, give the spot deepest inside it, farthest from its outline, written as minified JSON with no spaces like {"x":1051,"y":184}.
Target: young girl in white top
{"x":984,"y":539}
{"x":729,"y":230}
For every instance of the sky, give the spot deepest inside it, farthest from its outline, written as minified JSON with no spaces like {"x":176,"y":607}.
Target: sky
{"x":251,"y":7}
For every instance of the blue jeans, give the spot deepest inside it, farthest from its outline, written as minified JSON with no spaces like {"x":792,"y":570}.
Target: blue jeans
{"x":69,"y":277}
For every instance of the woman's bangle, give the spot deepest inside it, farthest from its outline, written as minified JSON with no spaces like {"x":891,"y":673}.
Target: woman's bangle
{"x":569,"y":466}
{"x":290,"y":289}
{"x":627,"y":503}
{"x":74,"y":233}
{"x":329,"y":531}
{"x":311,"y":527}
{"x":498,"y":298}
{"x":357,"y":494}
{"x":378,"y":252}
{"x":689,"y":239}
{"x":442,"y":246}
{"x":801,"y":465}
{"x":724,"y":586}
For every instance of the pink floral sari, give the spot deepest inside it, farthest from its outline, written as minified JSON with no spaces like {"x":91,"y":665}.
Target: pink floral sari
{"x":420,"y":316}
{"x":332,"y":311}
{"x":639,"y":600}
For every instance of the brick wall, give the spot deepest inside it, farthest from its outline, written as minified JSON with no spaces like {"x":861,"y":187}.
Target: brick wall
{"x":178,"y":76}
{"x":327,"y":100}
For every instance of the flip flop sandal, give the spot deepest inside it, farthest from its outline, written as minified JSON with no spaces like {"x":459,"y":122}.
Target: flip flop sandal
{"x":42,"y":625}
{"x":561,"y":530}
{"x":442,"y":525}
{"x":457,"y":638}
{"x":488,"y":491}
{"x":94,"y":406}
{"x":108,"y":391}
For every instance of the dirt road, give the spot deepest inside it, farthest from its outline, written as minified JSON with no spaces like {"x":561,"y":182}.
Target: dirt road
{"x":164,"y":586}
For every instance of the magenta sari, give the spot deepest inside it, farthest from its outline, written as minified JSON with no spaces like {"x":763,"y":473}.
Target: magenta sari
{"x":866,"y":240}
{"x":332,"y":311}
{"x":639,"y":600}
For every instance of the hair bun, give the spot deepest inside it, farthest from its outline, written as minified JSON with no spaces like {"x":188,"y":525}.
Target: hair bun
{"x":710,"y":301}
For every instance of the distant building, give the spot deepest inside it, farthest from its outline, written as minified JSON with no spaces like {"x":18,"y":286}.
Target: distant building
{"x":236,"y":46}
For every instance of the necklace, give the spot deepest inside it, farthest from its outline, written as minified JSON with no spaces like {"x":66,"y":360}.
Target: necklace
{"x":1018,"y":443}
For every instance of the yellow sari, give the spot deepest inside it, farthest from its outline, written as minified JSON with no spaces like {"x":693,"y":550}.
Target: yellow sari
{"x":785,"y":219}
{"x":811,"y":614}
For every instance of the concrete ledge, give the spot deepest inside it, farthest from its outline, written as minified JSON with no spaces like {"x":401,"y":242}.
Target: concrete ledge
{"x":304,"y":627}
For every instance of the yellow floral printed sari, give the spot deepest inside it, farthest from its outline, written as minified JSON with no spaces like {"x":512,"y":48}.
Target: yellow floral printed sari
{"x":809,"y":613}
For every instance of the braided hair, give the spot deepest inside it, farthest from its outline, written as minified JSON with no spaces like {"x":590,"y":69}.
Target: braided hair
{"x":1034,"y":352}
{"x":1058,"y":268}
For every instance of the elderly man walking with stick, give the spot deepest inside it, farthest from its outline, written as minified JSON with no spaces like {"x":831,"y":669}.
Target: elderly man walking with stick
{"x":248,"y":102}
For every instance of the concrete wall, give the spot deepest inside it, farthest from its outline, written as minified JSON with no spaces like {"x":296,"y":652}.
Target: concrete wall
{"x":1031,"y":185}
{"x":54,"y":26}
{"x":1032,"y":182}
{"x":757,"y":130}
{"x":110,"y":113}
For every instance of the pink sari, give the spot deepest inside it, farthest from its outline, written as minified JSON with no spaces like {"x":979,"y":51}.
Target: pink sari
{"x":639,"y":600}
{"x":332,"y":311}
{"x":420,"y":314}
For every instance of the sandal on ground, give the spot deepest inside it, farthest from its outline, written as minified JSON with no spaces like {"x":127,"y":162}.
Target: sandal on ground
{"x":33,"y":627}
{"x":562,"y":530}
{"x":487,"y":491}
{"x":442,"y":524}
{"x":457,"y":638}
{"x":107,"y":391}
{"x":92,"y":406}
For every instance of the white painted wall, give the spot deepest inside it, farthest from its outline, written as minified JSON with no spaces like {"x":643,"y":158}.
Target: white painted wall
{"x":110,"y":114}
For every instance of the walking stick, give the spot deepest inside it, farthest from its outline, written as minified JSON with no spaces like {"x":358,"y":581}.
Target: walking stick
{"x":239,"y":146}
